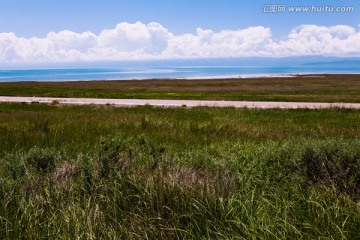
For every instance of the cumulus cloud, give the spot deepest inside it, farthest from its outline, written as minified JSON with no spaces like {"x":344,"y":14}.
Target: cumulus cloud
{"x":206,"y":43}
{"x":152,"y":41}
{"x":338,"y":40}
{"x":125,"y":37}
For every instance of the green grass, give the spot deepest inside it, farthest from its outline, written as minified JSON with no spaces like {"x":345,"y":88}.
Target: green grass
{"x":93,"y":172}
{"x":316,"y":88}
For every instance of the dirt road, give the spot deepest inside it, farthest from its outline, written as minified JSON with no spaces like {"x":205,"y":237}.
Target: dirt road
{"x":177,"y":103}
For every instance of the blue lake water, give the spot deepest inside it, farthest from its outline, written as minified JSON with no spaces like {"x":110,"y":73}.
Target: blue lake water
{"x":141,"y":72}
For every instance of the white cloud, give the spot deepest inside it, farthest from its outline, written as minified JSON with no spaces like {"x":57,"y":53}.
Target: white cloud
{"x":338,"y":40}
{"x":8,"y":43}
{"x":125,"y":37}
{"x":152,"y":41}
{"x":206,"y":43}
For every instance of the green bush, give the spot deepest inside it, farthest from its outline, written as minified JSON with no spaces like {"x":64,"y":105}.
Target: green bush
{"x":42,"y":160}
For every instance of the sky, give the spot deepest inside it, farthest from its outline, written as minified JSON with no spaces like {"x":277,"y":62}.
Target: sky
{"x":39,"y":31}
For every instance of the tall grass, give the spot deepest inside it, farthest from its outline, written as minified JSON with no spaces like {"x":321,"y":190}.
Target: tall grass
{"x":132,"y":189}
{"x":127,"y":179}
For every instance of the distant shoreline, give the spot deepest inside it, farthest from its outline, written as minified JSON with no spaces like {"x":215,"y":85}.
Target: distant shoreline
{"x":215,"y":77}
{"x":185,"y":70}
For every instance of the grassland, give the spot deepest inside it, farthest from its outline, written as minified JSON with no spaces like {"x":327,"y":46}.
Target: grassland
{"x":100,"y":172}
{"x":315,"y":88}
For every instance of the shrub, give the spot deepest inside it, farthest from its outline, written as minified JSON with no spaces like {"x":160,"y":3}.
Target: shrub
{"x":333,"y":165}
{"x":43,"y":160}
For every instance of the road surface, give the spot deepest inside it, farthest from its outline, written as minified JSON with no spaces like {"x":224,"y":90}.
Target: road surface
{"x":177,"y":103}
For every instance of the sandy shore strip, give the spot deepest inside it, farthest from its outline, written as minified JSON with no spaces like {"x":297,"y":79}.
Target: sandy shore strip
{"x":176,"y":103}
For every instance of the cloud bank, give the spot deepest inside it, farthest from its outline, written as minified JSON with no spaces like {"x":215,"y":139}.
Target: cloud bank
{"x":139,"y":41}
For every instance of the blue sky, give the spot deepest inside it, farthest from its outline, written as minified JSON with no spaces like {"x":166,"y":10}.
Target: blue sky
{"x":38,"y":17}
{"x":26,"y":19}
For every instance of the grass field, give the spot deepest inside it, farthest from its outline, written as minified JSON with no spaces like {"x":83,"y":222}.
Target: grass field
{"x":101,"y":172}
{"x":314,"y":88}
